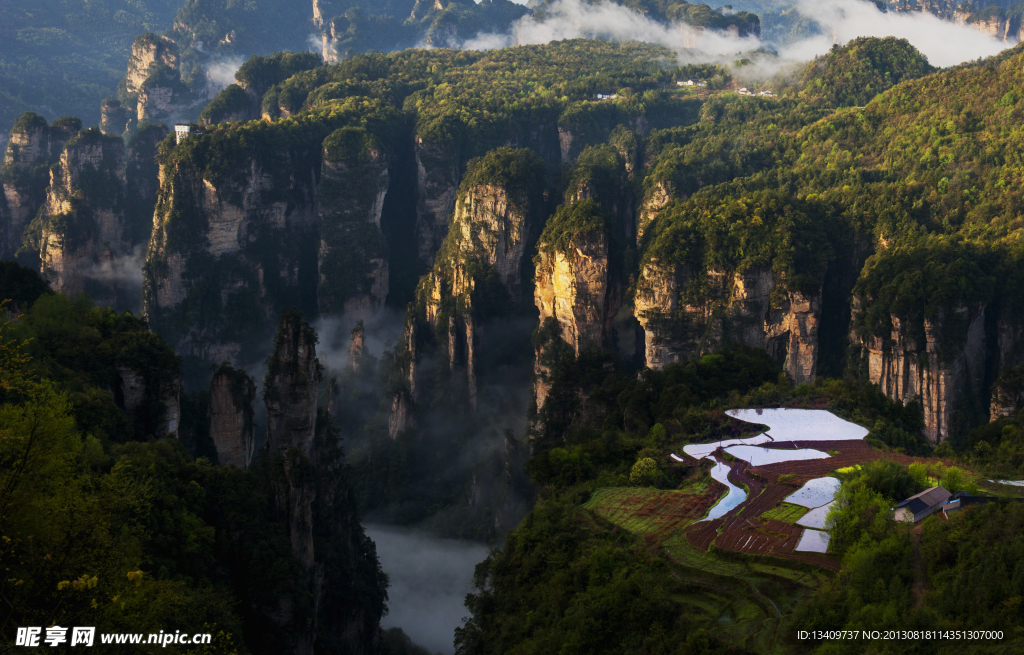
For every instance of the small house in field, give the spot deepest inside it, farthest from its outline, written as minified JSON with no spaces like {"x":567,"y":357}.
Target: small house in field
{"x":920,"y":505}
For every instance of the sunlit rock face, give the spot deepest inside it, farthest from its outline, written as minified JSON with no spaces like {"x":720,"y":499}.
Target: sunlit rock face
{"x":754,"y":308}
{"x":84,"y":228}
{"x":32,"y":147}
{"x":477,"y":274}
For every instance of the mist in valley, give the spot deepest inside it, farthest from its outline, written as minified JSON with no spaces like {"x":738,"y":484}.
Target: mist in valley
{"x":430,"y":578}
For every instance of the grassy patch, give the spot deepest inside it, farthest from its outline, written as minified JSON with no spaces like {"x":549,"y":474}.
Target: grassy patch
{"x":645,"y":510}
{"x":786,"y":512}
{"x":996,"y":489}
{"x":681,"y":552}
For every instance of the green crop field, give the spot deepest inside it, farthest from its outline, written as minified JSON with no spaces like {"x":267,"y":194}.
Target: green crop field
{"x":645,"y":510}
{"x":785,"y":512}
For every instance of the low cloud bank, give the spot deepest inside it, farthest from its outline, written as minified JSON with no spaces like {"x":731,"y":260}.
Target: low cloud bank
{"x":943,"y":42}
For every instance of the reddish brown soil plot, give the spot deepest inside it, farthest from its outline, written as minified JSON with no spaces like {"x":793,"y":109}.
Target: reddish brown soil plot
{"x":771,"y":496}
{"x":850,"y":452}
{"x":700,"y":535}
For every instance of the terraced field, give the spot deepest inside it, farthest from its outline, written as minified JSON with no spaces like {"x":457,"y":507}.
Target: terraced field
{"x":646,"y":510}
{"x":785,"y":512}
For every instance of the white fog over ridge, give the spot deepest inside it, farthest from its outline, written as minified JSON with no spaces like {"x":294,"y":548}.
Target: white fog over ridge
{"x":943,"y":42}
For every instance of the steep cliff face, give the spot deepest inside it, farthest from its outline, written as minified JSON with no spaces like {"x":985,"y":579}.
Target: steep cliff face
{"x":907,"y":368}
{"x":438,"y":171}
{"x":242,"y":245}
{"x":98,"y":215}
{"x":352,"y":257}
{"x":575,"y":285}
{"x":477,"y":276}
{"x":339,"y":600}
{"x":149,"y":53}
{"x":291,"y":387}
{"x":232,"y":393}
{"x":154,"y":397}
{"x":114,"y":118}
{"x":946,"y":336}
{"x":32,"y":147}
{"x":1007,"y":393}
{"x":83,"y":227}
{"x":989,"y":16}
{"x":755,"y":308}
{"x":152,"y":89}
{"x":280,"y":226}
{"x":658,"y":195}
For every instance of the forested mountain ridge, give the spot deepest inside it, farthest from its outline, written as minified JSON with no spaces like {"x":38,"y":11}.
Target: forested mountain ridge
{"x":69,"y":57}
{"x":574,"y":271}
{"x":665,"y":224}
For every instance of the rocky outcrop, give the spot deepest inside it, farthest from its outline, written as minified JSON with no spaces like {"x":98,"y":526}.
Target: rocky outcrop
{"x":149,"y":53}
{"x":98,"y":215}
{"x":989,"y":16}
{"x":328,"y":610}
{"x":438,"y":170}
{"x":655,"y":200}
{"x":352,"y":256}
{"x":477,"y":273}
{"x":232,"y":393}
{"x":291,"y":387}
{"x":574,"y":289}
{"x":475,"y":284}
{"x":152,"y":89}
{"x":756,"y":308}
{"x":355,"y":347}
{"x":136,"y":393}
{"x":32,"y":147}
{"x":243,"y":245}
{"x":906,"y":369}
{"x":114,"y":118}
{"x":1007,"y":393}
{"x":575,"y":286}
{"x":83,"y":227}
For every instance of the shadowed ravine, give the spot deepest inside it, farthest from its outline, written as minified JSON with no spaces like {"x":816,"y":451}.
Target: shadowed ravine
{"x":430,"y":578}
